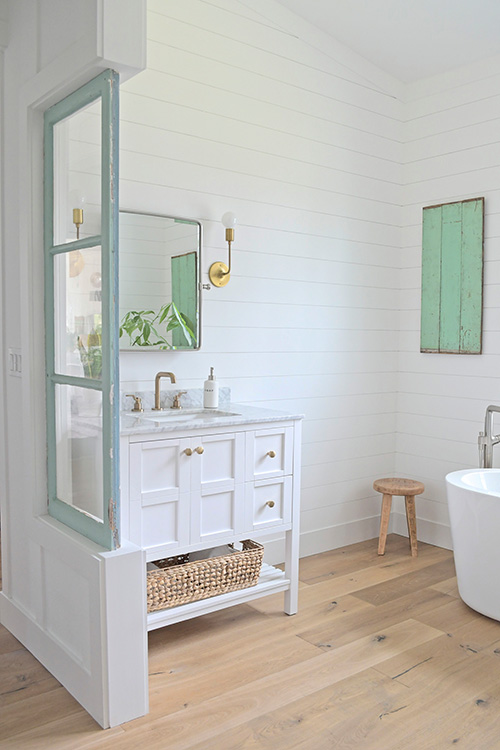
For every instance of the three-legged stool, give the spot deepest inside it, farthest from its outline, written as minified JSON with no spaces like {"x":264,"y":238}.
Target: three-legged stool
{"x":408,"y":488}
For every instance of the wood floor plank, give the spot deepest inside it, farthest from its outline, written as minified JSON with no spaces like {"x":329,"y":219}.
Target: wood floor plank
{"x":76,"y":731}
{"x":420,"y":665}
{"x":349,"y":627}
{"x":453,"y":611}
{"x":181,"y":680}
{"x":8,"y":642}
{"x":398,"y":586}
{"x":20,"y":674}
{"x":367,"y":580}
{"x":449,"y":587}
{"x":474,"y":724}
{"x":441,"y":690}
{"x":308,"y":718}
{"x":35,"y":711}
{"x":339,"y":561}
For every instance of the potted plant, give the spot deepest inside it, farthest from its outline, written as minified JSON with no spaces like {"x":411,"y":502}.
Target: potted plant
{"x":91,"y":355}
{"x":150,"y":328}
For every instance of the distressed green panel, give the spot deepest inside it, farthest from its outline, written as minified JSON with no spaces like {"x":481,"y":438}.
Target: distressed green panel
{"x":184,"y":292}
{"x":431,"y":279}
{"x":451,"y":276}
{"x":472,"y":276}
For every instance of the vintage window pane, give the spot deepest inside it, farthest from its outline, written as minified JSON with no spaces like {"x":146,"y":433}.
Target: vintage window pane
{"x":79,"y":448}
{"x":78,"y":313}
{"x":77,"y":175}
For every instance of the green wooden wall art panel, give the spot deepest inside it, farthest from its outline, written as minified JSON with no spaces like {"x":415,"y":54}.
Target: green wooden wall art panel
{"x":452,"y":277}
{"x":184,"y":292}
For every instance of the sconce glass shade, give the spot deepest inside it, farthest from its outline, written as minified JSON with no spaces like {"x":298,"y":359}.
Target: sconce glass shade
{"x":77,"y":199}
{"x":229,"y":220}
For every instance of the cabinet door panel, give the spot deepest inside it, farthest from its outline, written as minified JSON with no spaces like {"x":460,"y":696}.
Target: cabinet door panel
{"x":159,"y":493}
{"x":222,"y":460}
{"x":163,"y":467}
{"x":269,"y":453}
{"x":216,"y":513}
{"x":165,"y":523}
{"x":268,"y":503}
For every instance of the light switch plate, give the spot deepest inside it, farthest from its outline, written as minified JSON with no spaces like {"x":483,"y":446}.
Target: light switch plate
{"x":15,"y":362}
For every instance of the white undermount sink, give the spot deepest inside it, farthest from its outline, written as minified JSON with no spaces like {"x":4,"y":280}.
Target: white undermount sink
{"x":184,"y":415}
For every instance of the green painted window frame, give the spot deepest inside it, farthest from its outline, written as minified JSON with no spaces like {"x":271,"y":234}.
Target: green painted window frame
{"x":105,"y":87}
{"x":452,"y":277}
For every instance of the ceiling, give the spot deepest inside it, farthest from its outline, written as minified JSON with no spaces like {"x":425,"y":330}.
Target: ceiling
{"x":410,"y":39}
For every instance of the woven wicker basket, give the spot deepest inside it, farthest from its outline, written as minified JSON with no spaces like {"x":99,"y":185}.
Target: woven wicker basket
{"x":180,"y":581}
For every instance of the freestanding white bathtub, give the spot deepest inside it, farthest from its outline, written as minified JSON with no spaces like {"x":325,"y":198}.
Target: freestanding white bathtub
{"x":474,"y":505}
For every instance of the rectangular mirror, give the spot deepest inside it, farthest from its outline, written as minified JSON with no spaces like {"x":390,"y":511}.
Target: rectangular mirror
{"x":160,"y":297}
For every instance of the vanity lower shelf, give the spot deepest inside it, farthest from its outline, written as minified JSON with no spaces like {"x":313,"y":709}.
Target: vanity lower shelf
{"x":271,"y":581}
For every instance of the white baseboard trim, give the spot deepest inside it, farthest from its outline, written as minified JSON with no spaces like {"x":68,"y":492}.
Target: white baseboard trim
{"x":323,"y":540}
{"x":430,"y":532}
{"x":332,"y":537}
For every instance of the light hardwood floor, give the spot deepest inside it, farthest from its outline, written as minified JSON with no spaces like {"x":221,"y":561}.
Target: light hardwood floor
{"x":382,"y":655}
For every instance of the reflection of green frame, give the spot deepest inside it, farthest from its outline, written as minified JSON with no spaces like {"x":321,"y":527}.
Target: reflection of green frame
{"x":452,"y":277}
{"x":105,"y":88}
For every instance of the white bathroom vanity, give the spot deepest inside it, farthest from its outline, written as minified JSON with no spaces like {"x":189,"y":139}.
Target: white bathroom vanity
{"x":194,"y":479}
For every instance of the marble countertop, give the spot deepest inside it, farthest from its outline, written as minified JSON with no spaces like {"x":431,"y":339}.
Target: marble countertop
{"x":170,"y":420}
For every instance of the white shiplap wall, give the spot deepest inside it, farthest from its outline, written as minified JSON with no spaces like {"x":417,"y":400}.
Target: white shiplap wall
{"x":245,"y":107}
{"x":452,"y":152}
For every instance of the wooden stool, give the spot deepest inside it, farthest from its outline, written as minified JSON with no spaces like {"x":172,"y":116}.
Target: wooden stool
{"x":408,"y":488}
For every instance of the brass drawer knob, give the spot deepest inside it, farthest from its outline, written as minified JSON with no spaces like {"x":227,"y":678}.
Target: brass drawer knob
{"x":270,"y":503}
{"x":200,"y":449}
{"x":271,"y":454}
{"x":188,"y":452}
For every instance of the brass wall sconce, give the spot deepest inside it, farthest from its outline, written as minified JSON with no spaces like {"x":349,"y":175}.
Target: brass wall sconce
{"x":78,"y":220}
{"x":76,"y":261}
{"x":219,"y":273}
{"x":77,"y":198}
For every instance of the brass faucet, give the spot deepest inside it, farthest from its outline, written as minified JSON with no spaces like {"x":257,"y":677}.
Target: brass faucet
{"x":177,"y":400}
{"x":158,"y":378}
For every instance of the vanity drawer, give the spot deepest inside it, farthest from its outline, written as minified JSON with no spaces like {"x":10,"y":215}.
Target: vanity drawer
{"x":269,"y":453}
{"x":268,"y":503}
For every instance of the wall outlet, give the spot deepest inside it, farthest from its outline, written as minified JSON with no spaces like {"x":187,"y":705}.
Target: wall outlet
{"x":15,"y":362}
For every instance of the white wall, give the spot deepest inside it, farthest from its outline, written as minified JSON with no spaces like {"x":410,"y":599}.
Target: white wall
{"x":452,"y":152}
{"x":256,"y":112}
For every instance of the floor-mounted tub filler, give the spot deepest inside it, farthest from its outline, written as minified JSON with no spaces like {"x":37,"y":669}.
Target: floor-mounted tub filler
{"x":474,"y":505}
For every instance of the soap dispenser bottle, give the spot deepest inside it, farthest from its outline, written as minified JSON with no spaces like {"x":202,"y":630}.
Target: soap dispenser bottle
{"x":211,"y":392}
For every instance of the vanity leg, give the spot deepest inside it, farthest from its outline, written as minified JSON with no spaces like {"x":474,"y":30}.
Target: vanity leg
{"x":292,"y":571}
{"x":292,"y":537}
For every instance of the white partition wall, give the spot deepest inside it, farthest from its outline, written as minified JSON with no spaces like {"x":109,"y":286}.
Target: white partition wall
{"x":63,"y":595}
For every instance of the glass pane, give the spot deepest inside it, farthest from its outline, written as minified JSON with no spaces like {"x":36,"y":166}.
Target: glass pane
{"x":79,"y":448}
{"x":78,"y":313}
{"x":77,"y":175}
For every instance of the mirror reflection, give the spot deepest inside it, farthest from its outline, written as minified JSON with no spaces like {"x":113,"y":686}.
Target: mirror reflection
{"x":159,"y":282}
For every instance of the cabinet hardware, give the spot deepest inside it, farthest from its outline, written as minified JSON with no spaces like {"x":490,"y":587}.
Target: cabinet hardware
{"x":270,"y":503}
{"x":271,"y":454}
{"x":200,"y":449}
{"x":188,"y":452}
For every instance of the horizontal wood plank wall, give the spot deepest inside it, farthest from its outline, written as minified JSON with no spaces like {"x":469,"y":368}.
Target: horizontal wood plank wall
{"x":238,"y":112}
{"x":452,"y":153}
